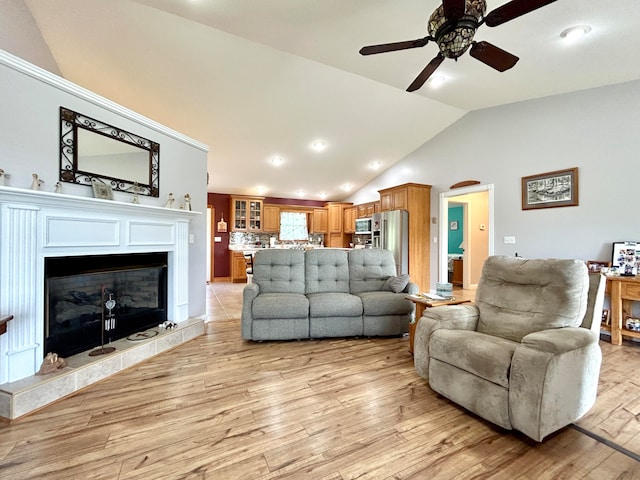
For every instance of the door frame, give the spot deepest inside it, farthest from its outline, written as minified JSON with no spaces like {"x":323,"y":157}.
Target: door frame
{"x":443,"y":231}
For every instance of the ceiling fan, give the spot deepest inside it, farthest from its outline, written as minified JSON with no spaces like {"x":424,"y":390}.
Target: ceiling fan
{"x":453,"y":25}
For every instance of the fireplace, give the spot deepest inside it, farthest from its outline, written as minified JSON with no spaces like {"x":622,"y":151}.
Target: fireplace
{"x":125,"y":293}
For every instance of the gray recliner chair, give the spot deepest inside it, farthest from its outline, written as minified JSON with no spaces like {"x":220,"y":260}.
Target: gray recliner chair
{"x":525,"y":356}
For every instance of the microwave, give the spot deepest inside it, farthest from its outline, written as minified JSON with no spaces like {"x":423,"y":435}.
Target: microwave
{"x":363,"y":225}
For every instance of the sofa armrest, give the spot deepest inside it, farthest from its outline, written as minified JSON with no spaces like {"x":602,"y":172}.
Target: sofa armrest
{"x":553,"y":379}
{"x":249,"y":292}
{"x":451,"y":317}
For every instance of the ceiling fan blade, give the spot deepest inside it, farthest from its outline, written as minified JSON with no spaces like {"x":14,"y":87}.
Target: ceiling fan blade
{"x":453,"y":9}
{"x":426,"y":73}
{"x":392,"y":47}
{"x":493,"y":56}
{"x":512,"y":10}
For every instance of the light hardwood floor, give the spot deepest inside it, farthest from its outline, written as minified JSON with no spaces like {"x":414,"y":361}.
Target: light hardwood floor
{"x":221,"y":408}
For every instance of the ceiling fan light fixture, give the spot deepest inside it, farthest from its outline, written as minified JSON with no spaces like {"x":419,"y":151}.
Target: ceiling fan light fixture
{"x":454,"y":37}
{"x":318,"y":145}
{"x":575,"y":33}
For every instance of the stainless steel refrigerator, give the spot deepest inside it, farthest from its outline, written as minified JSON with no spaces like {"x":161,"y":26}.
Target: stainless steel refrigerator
{"x":390,"y":230}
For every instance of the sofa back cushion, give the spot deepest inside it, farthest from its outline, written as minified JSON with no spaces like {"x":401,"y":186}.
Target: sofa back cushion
{"x":326,"y":270}
{"x":369,"y":268}
{"x":279,"y":271}
{"x":516,"y":296}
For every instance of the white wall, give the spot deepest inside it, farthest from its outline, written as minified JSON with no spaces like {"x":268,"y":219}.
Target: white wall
{"x":20,"y":35}
{"x":595,"y":130}
{"x":29,"y":143}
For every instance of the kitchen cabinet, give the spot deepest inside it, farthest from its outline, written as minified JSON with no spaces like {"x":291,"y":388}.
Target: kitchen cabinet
{"x":271,"y":215}
{"x":319,"y":222}
{"x":337,"y":238}
{"x":246,"y":214}
{"x":238,"y":267}
{"x":395,"y":198}
{"x":349,"y":222}
{"x":335,"y":217}
{"x":416,"y":199}
{"x":366,"y":210}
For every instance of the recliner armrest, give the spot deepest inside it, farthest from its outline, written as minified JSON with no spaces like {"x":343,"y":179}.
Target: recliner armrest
{"x":560,"y":340}
{"x":249,"y":292}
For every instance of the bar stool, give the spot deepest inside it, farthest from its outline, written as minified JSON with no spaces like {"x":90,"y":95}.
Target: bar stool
{"x":248,"y":260}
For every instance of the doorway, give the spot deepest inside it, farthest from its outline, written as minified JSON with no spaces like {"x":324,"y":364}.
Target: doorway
{"x":477,"y":227}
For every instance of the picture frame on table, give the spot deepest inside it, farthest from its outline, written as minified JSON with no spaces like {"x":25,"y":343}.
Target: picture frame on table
{"x":625,"y":257}
{"x":551,"y":189}
{"x":102,"y":191}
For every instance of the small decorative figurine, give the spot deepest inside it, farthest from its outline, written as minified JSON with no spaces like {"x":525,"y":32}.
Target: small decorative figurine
{"x":187,"y":202}
{"x":36,"y":183}
{"x":170,"y":201}
{"x":2,"y":177}
{"x":51,"y":363}
{"x":135,"y":189}
{"x":58,"y":187}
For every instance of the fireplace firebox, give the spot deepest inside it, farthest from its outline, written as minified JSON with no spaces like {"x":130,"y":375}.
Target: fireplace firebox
{"x":122,"y":293}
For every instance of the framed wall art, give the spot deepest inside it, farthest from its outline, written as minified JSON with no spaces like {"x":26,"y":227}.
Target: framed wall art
{"x":453,"y":225}
{"x":551,"y":189}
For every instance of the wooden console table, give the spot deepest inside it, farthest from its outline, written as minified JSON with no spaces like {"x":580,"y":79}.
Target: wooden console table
{"x":3,"y":323}
{"x":421,"y":304}
{"x":623,"y":291}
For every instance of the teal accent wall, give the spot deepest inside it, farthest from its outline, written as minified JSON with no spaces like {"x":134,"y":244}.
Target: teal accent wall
{"x":455,"y":236}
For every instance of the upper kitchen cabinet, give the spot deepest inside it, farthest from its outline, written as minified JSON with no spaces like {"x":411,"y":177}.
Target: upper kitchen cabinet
{"x":337,"y":238}
{"x":395,"y":198}
{"x":366,"y":210}
{"x":349,"y":223}
{"x":320,"y":221}
{"x":246,"y":214}
{"x":271,"y":215}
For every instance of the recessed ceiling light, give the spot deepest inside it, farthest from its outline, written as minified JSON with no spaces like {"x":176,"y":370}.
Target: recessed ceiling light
{"x":347,"y":187}
{"x":323,"y":195}
{"x":318,"y":145}
{"x":300,"y":193}
{"x":261,"y":189}
{"x":277,"y":161}
{"x":574,"y":33}
{"x":375,"y":165}
{"x":436,"y":81}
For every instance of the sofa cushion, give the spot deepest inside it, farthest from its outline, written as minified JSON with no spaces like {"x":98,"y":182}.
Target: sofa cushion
{"x":482,"y":355}
{"x":369,"y":269}
{"x":279,"y":271}
{"x":280,"y":305}
{"x":385,"y":303}
{"x":517,"y":296}
{"x":396,"y":284}
{"x":326,"y":270}
{"x":334,"y":304}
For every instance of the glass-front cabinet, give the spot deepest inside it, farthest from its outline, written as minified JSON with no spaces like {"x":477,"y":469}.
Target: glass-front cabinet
{"x":246,"y":214}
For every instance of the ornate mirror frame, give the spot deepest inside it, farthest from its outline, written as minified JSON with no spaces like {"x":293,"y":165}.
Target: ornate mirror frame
{"x":73,"y":123}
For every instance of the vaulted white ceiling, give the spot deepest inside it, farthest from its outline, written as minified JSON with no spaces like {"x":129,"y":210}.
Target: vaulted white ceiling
{"x":255,"y":79}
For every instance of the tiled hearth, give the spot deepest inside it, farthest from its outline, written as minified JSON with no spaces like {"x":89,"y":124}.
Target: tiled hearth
{"x":28,"y":394}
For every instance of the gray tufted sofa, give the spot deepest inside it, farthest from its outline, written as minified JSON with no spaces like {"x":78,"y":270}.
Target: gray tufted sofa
{"x":324,"y":293}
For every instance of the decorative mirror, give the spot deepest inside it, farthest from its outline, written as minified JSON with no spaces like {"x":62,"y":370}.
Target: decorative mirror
{"x":93,"y":151}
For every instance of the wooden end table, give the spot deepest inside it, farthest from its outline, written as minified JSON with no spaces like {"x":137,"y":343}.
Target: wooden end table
{"x":422,"y":303}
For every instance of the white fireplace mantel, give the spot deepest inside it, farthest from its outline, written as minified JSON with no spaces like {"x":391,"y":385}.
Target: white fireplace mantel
{"x":35,"y":225}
